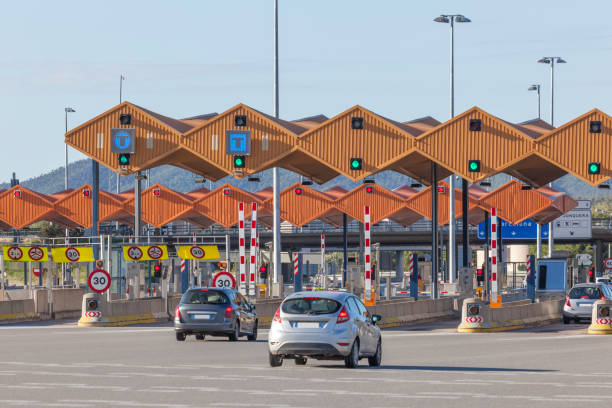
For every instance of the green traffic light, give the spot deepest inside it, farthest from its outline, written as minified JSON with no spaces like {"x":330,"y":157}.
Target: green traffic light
{"x":238,"y":161}
{"x":355,"y":163}
{"x":594,"y":168}
{"x":474,"y":165}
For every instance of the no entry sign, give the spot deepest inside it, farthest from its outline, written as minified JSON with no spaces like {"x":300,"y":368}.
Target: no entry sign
{"x":224,"y":280}
{"x":99,"y":281}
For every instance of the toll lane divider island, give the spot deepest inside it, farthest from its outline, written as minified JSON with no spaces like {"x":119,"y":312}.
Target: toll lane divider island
{"x":478,"y":317}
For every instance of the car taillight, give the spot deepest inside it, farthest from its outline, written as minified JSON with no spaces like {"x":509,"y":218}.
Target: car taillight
{"x":228,"y":312}
{"x":603,"y":298}
{"x":343,"y":316}
{"x":277,"y":317}
{"x":567,"y":301}
{"x":177,"y":313}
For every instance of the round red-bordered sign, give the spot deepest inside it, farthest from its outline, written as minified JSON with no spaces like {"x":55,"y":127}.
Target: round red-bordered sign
{"x":72,"y":254}
{"x":134,"y":253}
{"x":15,"y":253}
{"x":99,"y":281}
{"x":197,"y":252}
{"x":155,"y":252}
{"x":36,"y":253}
{"x":224,"y":280}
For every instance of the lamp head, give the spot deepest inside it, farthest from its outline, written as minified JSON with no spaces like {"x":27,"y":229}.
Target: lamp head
{"x":544,"y":60}
{"x":441,"y":19}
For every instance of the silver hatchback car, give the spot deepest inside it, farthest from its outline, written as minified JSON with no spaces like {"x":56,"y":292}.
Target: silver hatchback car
{"x":324,"y":326}
{"x":580,"y":299}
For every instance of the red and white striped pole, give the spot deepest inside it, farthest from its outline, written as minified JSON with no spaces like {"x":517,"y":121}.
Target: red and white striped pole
{"x":295,"y":263}
{"x":368,"y":253}
{"x":253,"y":262}
{"x":241,"y":248}
{"x":410,"y":265}
{"x":494,"y":269}
{"x":183,"y":269}
{"x":323,"y":269}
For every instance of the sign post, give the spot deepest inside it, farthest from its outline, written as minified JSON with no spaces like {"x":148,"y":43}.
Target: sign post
{"x":369,"y":300}
{"x":323,"y":269}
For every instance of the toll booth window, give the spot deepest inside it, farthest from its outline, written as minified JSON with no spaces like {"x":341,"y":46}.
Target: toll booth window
{"x":585,"y":293}
{"x":542,"y":277}
{"x":209,"y":297}
{"x":314,"y":305}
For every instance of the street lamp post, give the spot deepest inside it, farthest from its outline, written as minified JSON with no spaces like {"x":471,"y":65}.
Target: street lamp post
{"x":551,"y":61}
{"x":536,"y":87}
{"x":276,"y":236}
{"x":66,"y":112}
{"x":452,"y":265}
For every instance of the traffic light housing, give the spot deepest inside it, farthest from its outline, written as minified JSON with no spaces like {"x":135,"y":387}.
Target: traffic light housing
{"x":124,"y":159}
{"x":373,"y":274}
{"x":594,"y":168}
{"x":222,"y":265}
{"x":157,"y":270}
{"x":475,"y":125}
{"x":298,"y":191}
{"x":590,"y":276}
{"x":480,"y":277}
{"x":595,"y":126}
{"x":263,"y":271}
{"x":369,"y":189}
{"x":239,"y":162}
{"x":474,"y":166}
{"x":355,"y":163}
{"x":357,"y":123}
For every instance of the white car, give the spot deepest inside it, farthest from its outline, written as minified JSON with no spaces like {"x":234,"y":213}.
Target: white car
{"x":324,"y":326}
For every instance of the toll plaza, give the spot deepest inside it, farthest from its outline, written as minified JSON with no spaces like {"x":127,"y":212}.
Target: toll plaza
{"x":372,"y":233}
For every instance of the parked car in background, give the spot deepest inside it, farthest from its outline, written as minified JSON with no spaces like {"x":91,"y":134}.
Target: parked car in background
{"x":214,"y":312}
{"x":324,"y":325}
{"x":579,"y":300}
{"x":604,"y":279}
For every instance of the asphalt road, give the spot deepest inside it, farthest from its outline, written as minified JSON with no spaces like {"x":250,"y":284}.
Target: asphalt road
{"x":423,"y":366}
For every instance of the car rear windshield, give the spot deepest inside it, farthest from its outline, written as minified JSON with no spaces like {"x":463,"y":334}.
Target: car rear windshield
{"x":585,"y":293}
{"x":205,"y":297}
{"x":310,"y":305}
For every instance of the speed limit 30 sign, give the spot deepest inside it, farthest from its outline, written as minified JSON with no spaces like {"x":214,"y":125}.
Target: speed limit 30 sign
{"x":99,"y":281}
{"x":224,"y":280}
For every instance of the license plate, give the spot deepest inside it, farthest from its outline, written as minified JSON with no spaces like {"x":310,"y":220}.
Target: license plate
{"x":585,"y":305}
{"x":201,"y":316}
{"x":308,"y":325}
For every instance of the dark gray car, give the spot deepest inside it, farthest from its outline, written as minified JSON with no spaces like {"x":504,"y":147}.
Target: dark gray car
{"x":216,"y":312}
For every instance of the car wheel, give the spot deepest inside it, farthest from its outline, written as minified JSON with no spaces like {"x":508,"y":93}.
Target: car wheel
{"x":275,"y":361}
{"x":352,"y":360}
{"x":375,"y":360}
{"x":200,"y":336}
{"x":566,"y":320}
{"x":180,"y":336}
{"x":236,"y":334}
{"x":300,"y":360}
{"x":253,"y":336}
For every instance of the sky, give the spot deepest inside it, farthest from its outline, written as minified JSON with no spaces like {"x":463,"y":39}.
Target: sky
{"x":182,"y":58}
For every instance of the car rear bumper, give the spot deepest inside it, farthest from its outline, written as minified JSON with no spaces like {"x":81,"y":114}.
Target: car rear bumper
{"x":322,"y":345}
{"x":577,"y":314}
{"x":207,"y":328}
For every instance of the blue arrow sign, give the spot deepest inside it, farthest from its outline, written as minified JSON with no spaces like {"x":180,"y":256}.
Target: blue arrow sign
{"x":524,"y":230}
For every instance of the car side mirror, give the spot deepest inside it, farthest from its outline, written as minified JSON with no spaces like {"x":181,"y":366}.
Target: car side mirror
{"x":376,"y":318}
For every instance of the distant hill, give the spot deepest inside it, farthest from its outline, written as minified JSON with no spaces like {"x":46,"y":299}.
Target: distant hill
{"x":79,"y":173}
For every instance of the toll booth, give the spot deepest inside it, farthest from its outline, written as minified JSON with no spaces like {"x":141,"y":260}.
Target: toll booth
{"x":552,"y":276}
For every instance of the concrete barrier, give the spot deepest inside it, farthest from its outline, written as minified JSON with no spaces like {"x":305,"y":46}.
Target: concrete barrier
{"x":401,"y":312}
{"x":17,"y":310}
{"x":397,"y":312}
{"x":96,"y":311}
{"x":476,"y":316}
{"x":601,"y":319}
